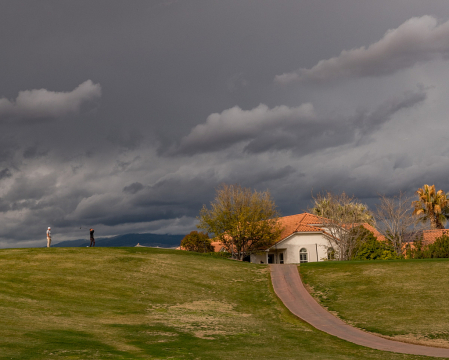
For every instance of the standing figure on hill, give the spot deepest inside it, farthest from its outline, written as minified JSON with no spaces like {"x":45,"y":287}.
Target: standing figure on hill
{"x":92,"y":240}
{"x":49,"y":236}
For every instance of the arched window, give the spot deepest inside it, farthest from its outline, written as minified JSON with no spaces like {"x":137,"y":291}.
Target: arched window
{"x":303,"y":255}
{"x":330,"y":254}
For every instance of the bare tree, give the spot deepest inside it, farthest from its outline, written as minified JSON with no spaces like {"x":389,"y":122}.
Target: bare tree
{"x":360,"y":210}
{"x":243,"y":220}
{"x":395,"y":220}
{"x":342,"y":223}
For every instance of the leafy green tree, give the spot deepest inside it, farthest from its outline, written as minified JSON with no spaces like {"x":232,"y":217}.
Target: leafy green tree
{"x":432,"y":206}
{"x":245,"y":221}
{"x":369,"y":248}
{"x":197,"y":241}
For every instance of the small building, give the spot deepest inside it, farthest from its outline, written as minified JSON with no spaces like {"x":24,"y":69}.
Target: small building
{"x":304,"y":239}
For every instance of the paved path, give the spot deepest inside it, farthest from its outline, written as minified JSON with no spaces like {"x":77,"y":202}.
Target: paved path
{"x":290,"y":289}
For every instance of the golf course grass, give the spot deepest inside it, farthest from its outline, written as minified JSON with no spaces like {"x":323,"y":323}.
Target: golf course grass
{"x":141,"y":303}
{"x":404,"y":299}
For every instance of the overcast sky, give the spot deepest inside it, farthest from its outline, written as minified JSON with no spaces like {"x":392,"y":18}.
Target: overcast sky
{"x":125,"y":116}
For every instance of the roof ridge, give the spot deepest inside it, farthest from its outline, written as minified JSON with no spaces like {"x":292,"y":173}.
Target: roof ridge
{"x":300,"y":221}
{"x":281,"y":217}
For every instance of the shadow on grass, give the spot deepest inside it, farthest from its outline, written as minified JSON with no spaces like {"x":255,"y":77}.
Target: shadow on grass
{"x":159,"y":342}
{"x":164,"y":342}
{"x":63,"y":344}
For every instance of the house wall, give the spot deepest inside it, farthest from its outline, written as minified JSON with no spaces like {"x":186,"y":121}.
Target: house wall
{"x":315,"y":243}
{"x":260,"y":258}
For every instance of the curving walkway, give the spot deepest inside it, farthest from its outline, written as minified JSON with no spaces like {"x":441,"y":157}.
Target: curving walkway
{"x":290,"y":289}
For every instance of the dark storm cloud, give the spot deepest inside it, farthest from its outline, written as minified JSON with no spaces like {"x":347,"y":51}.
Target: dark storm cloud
{"x":5,"y":173}
{"x":133,"y":188}
{"x":415,"y":41}
{"x":174,"y":196}
{"x":261,"y":177}
{"x":128,"y":140}
{"x":31,"y":187}
{"x":112,"y":209}
{"x":283,"y":128}
{"x":33,"y":152}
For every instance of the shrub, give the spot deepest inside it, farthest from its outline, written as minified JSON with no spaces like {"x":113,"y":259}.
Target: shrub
{"x":418,"y":250}
{"x":369,"y":248}
{"x":197,"y":241}
{"x":440,"y":248}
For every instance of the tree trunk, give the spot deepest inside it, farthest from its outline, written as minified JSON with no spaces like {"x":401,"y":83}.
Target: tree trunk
{"x":439,"y":224}
{"x":433,"y":222}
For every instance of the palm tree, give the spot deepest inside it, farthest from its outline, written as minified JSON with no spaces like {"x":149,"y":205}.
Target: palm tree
{"x":432,"y":205}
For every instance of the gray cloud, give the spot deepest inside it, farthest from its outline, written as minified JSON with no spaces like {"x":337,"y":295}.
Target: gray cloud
{"x":33,"y":152}
{"x":133,"y":188}
{"x":31,"y":187}
{"x":41,"y":103}
{"x":283,"y":128}
{"x":417,"y":40}
{"x":5,"y":173}
{"x":235,"y":125}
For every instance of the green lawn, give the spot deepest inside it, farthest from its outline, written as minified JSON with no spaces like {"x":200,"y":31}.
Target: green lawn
{"x":140,"y":303}
{"x":405,"y":299}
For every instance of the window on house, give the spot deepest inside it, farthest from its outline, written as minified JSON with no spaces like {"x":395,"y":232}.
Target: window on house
{"x":270,"y":258}
{"x":330,"y":254}
{"x":281,"y":258}
{"x":303,"y":255}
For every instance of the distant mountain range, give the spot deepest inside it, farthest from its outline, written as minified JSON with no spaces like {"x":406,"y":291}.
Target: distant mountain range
{"x":165,"y":241}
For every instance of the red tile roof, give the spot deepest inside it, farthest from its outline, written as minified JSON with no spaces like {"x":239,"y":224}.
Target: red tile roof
{"x":306,"y":222}
{"x":312,"y":219}
{"x":218,"y":246}
{"x":376,"y":233}
{"x":429,"y":236}
{"x":299,"y":223}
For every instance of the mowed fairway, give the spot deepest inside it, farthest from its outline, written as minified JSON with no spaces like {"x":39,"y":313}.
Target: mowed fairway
{"x":404,"y":299}
{"x":140,"y":303}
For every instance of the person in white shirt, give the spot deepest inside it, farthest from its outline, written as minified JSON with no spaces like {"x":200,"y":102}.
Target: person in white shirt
{"x":49,"y":236}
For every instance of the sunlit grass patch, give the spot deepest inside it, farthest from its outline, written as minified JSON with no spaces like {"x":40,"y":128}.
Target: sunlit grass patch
{"x":405,"y":299}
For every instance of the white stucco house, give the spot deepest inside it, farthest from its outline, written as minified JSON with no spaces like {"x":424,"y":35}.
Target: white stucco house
{"x":304,"y":239}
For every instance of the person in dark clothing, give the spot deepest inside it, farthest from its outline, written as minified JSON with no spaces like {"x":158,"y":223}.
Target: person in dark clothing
{"x":92,"y":240}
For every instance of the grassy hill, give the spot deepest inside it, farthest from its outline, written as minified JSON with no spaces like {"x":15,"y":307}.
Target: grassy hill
{"x":154,"y":240}
{"x":404,"y":299}
{"x":139,"y":303}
